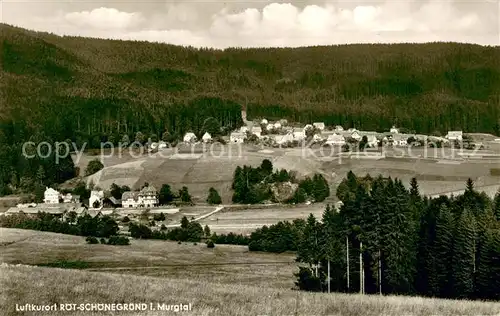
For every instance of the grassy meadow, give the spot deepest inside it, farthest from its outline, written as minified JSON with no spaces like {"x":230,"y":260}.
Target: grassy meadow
{"x":226,"y":280}
{"x":22,"y":284}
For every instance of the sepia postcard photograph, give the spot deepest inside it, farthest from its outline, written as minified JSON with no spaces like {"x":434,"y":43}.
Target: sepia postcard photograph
{"x":250,"y":158}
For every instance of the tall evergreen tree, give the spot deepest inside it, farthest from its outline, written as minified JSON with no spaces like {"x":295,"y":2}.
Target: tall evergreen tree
{"x":496,"y":205}
{"x":440,"y":263}
{"x":464,"y":256}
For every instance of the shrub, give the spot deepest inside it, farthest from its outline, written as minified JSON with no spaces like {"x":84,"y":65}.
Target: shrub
{"x":93,"y":167}
{"x":103,"y":241}
{"x":179,"y":242}
{"x":118,"y":241}
{"x":210,"y":244}
{"x":125,"y":219}
{"x":91,"y":240}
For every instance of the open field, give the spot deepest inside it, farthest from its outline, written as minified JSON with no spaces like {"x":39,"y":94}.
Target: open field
{"x":246,"y":221}
{"x":224,"y":264}
{"x":22,"y":284}
{"x":226,"y":280}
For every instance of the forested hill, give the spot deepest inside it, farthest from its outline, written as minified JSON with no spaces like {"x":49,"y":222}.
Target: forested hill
{"x":72,"y":87}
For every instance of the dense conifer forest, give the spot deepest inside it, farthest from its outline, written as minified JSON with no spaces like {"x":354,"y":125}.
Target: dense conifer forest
{"x":91,"y":90}
{"x":409,"y":244}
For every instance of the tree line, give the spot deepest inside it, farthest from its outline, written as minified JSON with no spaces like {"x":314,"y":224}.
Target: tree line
{"x":403,"y":242}
{"x":254,"y":185}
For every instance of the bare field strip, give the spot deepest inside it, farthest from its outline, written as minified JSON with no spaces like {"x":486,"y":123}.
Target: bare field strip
{"x":245,"y":221}
{"x":209,"y":296}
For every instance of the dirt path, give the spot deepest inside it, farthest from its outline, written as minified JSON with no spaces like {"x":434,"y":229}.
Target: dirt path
{"x":218,"y":209}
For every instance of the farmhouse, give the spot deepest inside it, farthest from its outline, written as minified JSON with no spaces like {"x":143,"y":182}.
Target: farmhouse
{"x":112,"y":202}
{"x":95,"y":200}
{"x":147,"y":197}
{"x":190,"y":138}
{"x":237,"y":137}
{"x":319,"y":125}
{"x":51,"y":196}
{"x":69,"y":198}
{"x":335,"y":139}
{"x":454,"y":135}
{"x":206,"y":137}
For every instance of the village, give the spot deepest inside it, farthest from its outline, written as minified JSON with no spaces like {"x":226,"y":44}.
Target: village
{"x":282,"y":134}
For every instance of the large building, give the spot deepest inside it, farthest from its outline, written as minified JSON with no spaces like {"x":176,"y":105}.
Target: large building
{"x":96,"y":198}
{"x":147,"y":197}
{"x":454,"y":135}
{"x":51,"y":196}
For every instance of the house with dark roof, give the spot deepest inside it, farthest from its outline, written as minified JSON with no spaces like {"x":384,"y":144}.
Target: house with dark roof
{"x":146,"y":197}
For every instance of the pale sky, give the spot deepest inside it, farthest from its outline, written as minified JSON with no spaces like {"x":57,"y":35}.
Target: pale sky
{"x":257,"y":23}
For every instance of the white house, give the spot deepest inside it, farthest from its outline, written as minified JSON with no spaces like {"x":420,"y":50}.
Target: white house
{"x":319,"y":125}
{"x":147,"y":197}
{"x":308,"y":126}
{"x":162,"y":145}
{"x":338,"y":128}
{"x":51,"y":196}
{"x":270,"y":126}
{"x":335,"y":139}
{"x":394,"y":130}
{"x":371,"y":138}
{"x":243,"y":129}
{"x":237,"y":137}
{"x":264,"y":122}
{"x":257,"y":131}
{"x":298,"y":134}
{"x":277,"y":125}
{"x":96,"y":196}
{"x":129,"y":199}
{"x":206,"y":137}
{"x":190,"y":138}
{"x":352,"y":133}
{"x":454,"y":135}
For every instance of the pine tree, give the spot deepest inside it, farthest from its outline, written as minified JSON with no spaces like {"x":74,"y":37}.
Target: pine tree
{"x":333,"y":248}
{"x":309,"y":250}
{"x":40,"y":175}
{"x":464,"y":256}
{"x":213,"y":197}
{"x":441,"y":256}
{"x":488,"y":276}
{"x":496,"y":205}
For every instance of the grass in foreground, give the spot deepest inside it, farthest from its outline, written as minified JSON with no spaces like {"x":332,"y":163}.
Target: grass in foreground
{"x":21,"y":285}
